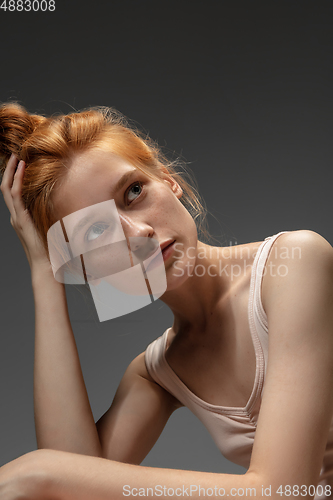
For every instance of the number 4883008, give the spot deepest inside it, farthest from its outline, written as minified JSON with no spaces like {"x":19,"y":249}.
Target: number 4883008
{"x":28,"y":5}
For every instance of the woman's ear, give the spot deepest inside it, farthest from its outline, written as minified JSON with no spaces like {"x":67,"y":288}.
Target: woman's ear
{"x":175,"y":187}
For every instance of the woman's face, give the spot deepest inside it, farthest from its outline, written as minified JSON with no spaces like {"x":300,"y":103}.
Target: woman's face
{"x":146,"y":209}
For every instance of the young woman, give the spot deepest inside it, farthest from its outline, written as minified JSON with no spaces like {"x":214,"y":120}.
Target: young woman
{"x":250,"y":351}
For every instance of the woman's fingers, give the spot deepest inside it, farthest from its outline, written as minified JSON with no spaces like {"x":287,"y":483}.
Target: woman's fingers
{"x":16,"y":190}
{"x":7,"y":182}
{"x":11,"y":188}
{"x":20,"y":218}
{"x":7,"y":178}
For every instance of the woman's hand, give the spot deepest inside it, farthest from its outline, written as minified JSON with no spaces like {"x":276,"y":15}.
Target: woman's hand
{"x":11,"y":188}
{"x":24,"y":478}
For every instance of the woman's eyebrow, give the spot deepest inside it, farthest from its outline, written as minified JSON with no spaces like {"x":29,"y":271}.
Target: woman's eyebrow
{"x":122,"y":181}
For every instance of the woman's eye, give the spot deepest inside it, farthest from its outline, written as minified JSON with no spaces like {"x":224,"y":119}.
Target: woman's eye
{"x":96,"y":230}
{"x":134,"y":191}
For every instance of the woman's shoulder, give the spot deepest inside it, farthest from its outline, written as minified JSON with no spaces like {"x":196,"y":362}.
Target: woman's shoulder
{"x":137,"y":371}
{"x":295,"y":260}
{"x":285,"y":245}
{"x":304,"y":237}
{"x":291,"y":245}
{"x":300,"y":237}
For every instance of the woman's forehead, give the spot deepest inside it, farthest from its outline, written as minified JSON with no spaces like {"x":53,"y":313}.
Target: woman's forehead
{"x":97,"y":162}
{"x":91,"y":178}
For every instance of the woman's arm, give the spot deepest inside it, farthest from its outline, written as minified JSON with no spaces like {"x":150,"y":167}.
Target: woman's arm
{"x":63,"y":416}
{"x":297,"y":405}
{"x":57,"y":475}
{"x":137,"y":416}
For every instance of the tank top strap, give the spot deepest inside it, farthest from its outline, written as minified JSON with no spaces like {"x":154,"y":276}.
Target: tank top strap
{"x":256,"y":312}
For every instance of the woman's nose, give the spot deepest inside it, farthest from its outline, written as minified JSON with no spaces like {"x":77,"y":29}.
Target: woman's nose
{"x":139,"y":238}
{"x":134,"y":228}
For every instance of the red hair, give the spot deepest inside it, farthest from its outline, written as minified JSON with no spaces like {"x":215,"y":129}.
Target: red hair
{"x":48,"y":146}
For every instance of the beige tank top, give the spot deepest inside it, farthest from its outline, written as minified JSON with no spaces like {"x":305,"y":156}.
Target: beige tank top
{"x":233,"y":428}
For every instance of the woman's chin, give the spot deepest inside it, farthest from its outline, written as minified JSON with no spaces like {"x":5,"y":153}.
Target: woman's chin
{"x":178,"y":274}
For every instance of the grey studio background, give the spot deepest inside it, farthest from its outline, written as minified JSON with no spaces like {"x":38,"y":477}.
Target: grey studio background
{"x":241,"y":90}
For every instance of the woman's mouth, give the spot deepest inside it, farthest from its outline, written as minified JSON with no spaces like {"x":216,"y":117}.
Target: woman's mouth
{"x":167,"y":249}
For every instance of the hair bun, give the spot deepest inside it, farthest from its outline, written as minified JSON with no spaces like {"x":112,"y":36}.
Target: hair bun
{"x":16,"y":125}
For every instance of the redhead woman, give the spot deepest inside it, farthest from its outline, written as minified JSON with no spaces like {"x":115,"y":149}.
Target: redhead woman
{"x":249,"y":352}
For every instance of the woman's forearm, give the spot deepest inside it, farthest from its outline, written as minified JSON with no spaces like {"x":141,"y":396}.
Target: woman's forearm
{"x":67,"y":476}
{"x":63,"y":415}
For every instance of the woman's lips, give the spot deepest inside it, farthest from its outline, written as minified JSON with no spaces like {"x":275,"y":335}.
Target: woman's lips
{"x":165,"y":250}
{"x":168,"y":250}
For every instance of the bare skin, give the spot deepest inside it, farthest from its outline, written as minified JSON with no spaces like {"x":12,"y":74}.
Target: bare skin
{"x":210,"y":335}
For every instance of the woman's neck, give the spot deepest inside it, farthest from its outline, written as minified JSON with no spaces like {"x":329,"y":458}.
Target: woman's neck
{"x":195,"y":300}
